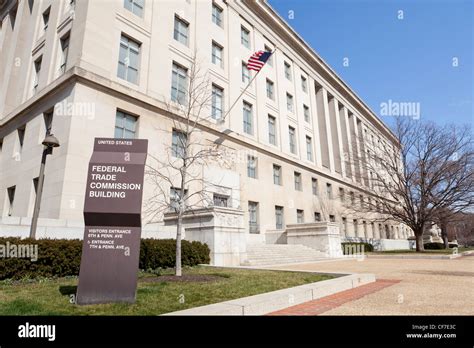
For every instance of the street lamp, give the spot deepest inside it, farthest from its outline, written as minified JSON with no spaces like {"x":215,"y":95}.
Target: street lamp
{"x":49,"y":142}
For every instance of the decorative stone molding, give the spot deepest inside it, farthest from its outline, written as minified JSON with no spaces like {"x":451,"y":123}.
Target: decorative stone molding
{"x":321,"y":236}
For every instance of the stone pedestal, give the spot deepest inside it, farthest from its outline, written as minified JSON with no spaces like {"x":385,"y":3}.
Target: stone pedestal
{"x":222,"y":229}
{"x":321,"y":236}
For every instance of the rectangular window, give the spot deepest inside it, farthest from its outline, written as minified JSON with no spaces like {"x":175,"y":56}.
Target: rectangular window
{"x":252,"y":167}
{"x":292,"y":139}
{"x":125,"y":125}
{"x":248,"y":118}
{"x":181,"y":30}
{"x":344,"y":226}
{"x":277,"y":174}
{"x":217,"y":102}
{"x":329,"y":191}
{"x":309,"y":149}
{"x":178,"y":143}
{"x":245,"y":36}
{"x":21,"y":134}
{"x":217,"y":54}
{"x":217,"y":15}
{"x":270,"y":60}
{"x":314,"y":186}
{"x":37,"y":65}
{"x":270,"y":89}
{"x":317,"y":216}
{"x":253,"y":217}
{"x":298,"y":186}
{"x":279,"y":218}
{"x":128,"y":59}
{"x":352,"y":197}
{"x":46,"y":18}
{"x":341,"y":194}
{"x":332,"y":218}
{"x":11,"y":199}
{"x":304,"y":84}
{"x":272,"y":130}
{"x":220,"y":200}
{"x":48,"y":121}
{"x":299,"y":216}
{"x":288,"y":71}
{"x":179,"y":84}
{"x":246,"y":74}
{"x":356,"y":232}
{"x":289,"y":102}
{"x":64,"y":52}
{"x":134,"y":6}
{"x":307,"y":117}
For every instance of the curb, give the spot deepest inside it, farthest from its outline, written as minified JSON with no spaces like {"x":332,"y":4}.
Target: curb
{"x":265,"y":303}
{"x":407,"y":256}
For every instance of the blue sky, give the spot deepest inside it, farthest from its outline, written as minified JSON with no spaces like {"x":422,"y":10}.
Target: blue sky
{"x":403,"y":60}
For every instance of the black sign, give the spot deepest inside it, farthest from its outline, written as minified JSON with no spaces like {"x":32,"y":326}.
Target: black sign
{"x":112,"y":216}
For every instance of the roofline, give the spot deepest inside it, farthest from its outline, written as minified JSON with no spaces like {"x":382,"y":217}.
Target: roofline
{"x":262,"y":9}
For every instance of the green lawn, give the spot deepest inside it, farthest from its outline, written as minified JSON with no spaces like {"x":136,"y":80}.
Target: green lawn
{"x":51,"y":296}
{"x":440,"y":251}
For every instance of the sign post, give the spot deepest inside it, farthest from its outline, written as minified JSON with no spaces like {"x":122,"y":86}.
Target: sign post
{"x":112,"y":216}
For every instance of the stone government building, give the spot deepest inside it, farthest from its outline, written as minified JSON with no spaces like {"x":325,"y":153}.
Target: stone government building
{"x":86,"y":69}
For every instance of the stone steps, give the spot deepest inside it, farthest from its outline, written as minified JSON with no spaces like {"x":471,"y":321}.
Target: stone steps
{"x":270,"y":254}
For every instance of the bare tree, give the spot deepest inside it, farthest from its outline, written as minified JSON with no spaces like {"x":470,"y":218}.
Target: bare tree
{"x":177,"y":176}
{"x":428,"y":172}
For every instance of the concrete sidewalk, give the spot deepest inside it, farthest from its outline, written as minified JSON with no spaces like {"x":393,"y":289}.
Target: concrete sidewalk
{"x":426,"y":287}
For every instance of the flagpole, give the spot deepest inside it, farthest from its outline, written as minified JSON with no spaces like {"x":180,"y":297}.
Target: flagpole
{"x":241,"y":94}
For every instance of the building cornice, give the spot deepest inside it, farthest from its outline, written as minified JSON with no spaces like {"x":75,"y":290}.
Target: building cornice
{"x":284,"y":31}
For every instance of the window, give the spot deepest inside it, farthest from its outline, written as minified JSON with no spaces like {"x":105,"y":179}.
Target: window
{"x":277,"y":174}
{"x":307,"y":117}
{"x":125,"y":125}
{"x":344,"y":226}
{"x":134,"y":6}
{"x":217,"y":54}
{"x":220,"y":200}
{"x":292,"y":139}
{"x":279,"y":220}
{"x":288,"y":71}
{"x":341,"y":194}
{"x":298,"y":181}
{"x":245,"y":36}
{"x":46,"y":18}
{"x":317,"y":216}
{"x":64,"y":52}
{"x":179,"y":82}
{"x":248,"y":118}
{"x":270,"y":89}
{"x":253,"y":217}
{"x":270,"y":59}
{"x":181,"y":30}
{"x":11,"y":199}
{"x":174,"y":197}
{"x":48,"y":121}
{"x":299,"y":216}
{"x":246,"y":75}
{"x":304,"y":84}
{"x":178,"y":143}
{"x":309,"y":149}
{"x":217,"y":102}
{"x":252,"y":166}
{"x":272,"y":130}
{"x":314,"y":186}
{"x":361,"y":200}
{"x":21,"y":134}
{"x":217,"y":15}
{"x":37,"y":73}
{"x":289,"y":102}
{"x":355,"y":228}
{"x":332,"y":218}
{"x":128,"y":59}
{"x":352,"y":197}
{"x":329,"y":190}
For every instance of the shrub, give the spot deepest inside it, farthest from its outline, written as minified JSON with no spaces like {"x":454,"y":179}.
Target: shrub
{"x":62,"y":257}
{"x":433,"y":246}
{"x":349,"y":246}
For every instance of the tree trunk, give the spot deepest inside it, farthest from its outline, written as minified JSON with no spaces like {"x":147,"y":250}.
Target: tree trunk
{"x":444,"y":235}
{"x":419,"y":241}
{"x":178,"y":244}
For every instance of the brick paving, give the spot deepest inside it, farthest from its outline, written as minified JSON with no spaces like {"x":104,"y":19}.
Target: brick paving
{"x":327,"y":303}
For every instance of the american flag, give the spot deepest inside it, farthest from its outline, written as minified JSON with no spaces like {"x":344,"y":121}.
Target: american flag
{"x":258,"y":60}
